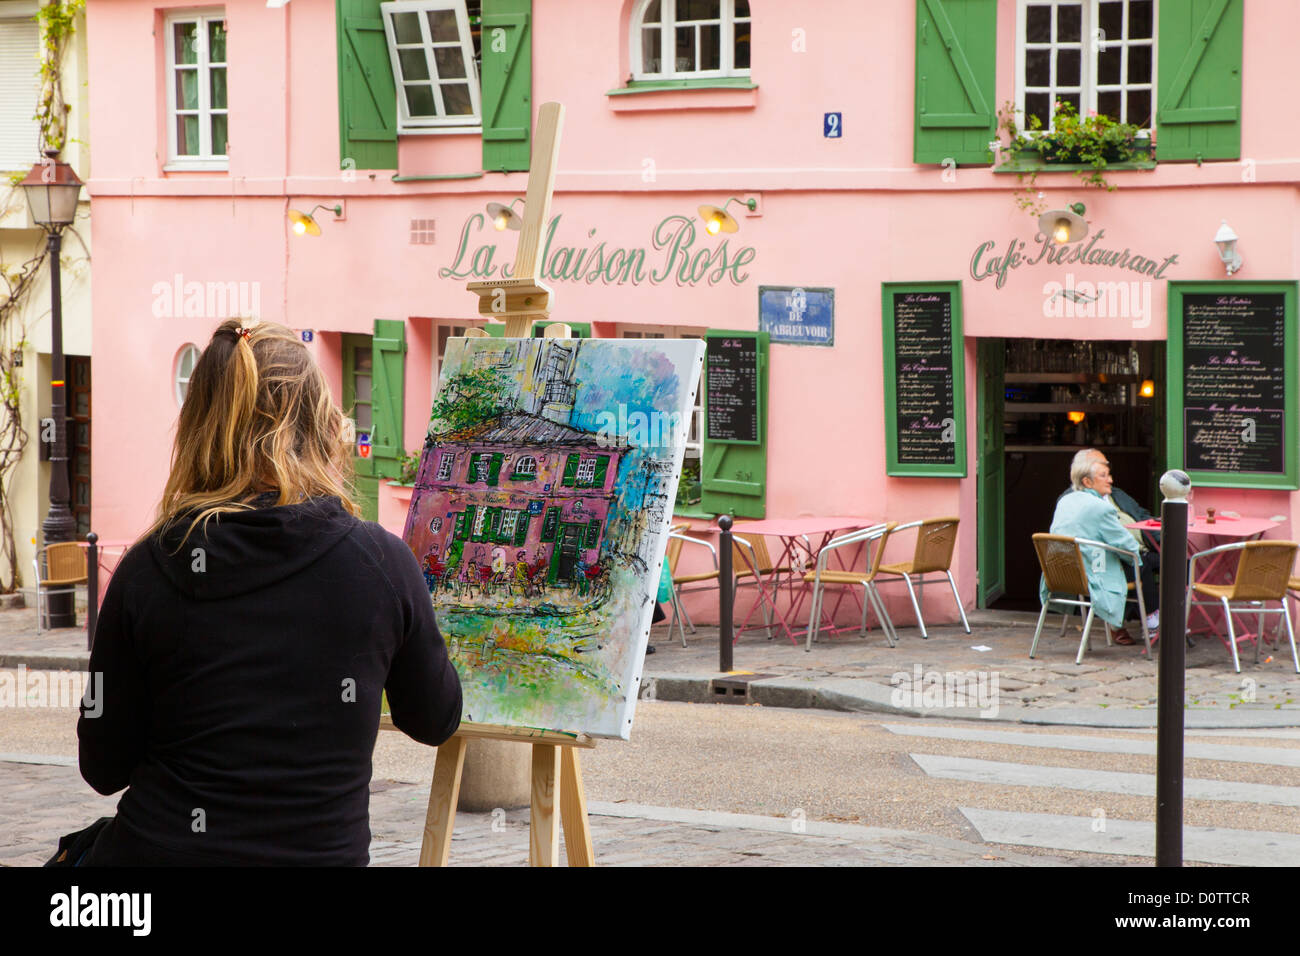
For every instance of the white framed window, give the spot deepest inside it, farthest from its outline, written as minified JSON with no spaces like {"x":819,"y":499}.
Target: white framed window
{"x":480,"y":516}
{"x":186,"y":359}
{"x":444,"y":466}
{"x":19,"y":51}
{"x":526,"y":467}
{"x":1097,"y":55}
{"x":586,"y":471}
{"x":508,"y":522}
{"x":197,"y":120}
{"x":434,"y":63}
{"x":690,"y":39}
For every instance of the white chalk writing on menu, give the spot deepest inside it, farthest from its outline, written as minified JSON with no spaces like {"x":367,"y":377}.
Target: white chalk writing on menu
{"x":923,"y":370}
{"x":732,"y":383}
{"x":1234,"y":382}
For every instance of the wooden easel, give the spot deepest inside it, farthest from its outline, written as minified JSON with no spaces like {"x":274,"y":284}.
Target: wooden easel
{"x":521,"y":300}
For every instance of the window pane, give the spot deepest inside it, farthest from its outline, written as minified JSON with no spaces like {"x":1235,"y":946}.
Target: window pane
{"x":217,"y":41}
{"x":1067,"y":67}
{"x":442,"y":26}
{"x":1038,"y":25}
{"x":1040,"y":105}
{"x":406,"y":28}
{"x":711,"y":48}
{"x":1071,"y":98}
{"x":362,"y":360}
{"x":217,"y":88}
{"x":742,"y":8}
{"x":742,"y":47}
{"x":187,"y":135}
{"x":1108,"y":64}
{"x":450,"y":62}
{"x":185,"y":36}
{"x":699,"y":10}
{"x":362,"y":415}
{"x":187,"y":89}
{"x":650,"y":50}
{"x":651,"y":13}
{"x":414,"y":65}
{"x":419,"y":100}
{"x":1110,"y":20}
{"x":1139,"y":108}
{"x":219,"y":134}
{"x":363,"y":388}
{"x":81,"y":403}
{"x":1108,"y":104}
{"x":456,"y":99}
{"x":1068,"y":24}
{"x":1139,"y":64}
{"x":1038,"y":67}
{"x":685,"y":53}
{"x":1139,"y":19}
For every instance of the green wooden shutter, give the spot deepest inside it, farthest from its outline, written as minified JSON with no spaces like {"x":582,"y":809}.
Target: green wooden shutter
{"x":494,"y":467}
{"x":956,"y":51}
{"x":367,"y":93}
{"x":1199,"y":79}
{"x":551,"y":525}
{"x":389,"y":362}
{"x":602,"y":465}
{"x":571,"y":470}
{"x":733,"y":477}
{"x":593,"y":533}
{"x":492,"y":527}
{"x":521,"y":527}
{"x":506,"y":43}
{"x":465,"y":526}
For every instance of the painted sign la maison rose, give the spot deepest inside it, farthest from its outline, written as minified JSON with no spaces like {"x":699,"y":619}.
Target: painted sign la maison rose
{"x":672,"y":254}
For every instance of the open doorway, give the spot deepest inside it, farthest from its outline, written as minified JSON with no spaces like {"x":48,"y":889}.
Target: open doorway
{"x":1042,"y":400}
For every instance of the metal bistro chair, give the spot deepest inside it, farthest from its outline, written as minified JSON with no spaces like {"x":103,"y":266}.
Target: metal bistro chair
{"x":64,"y":568}
{"x":676,"y":540}
{"x":1064,"y":570}
{"x":823,"y":576}
{"x":935,"y":540}
{"x":1263,"y":574}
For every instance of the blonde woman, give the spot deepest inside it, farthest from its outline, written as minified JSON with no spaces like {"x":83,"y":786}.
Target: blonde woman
{"x":245,"y":640}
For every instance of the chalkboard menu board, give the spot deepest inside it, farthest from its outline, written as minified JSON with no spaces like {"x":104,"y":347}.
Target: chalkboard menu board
{"x":732,"y":382}
{"x":1232,"y":382}
{"x":925,"y":419}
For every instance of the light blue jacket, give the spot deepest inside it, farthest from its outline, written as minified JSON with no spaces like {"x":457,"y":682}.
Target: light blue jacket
{"x":1086,"y":514}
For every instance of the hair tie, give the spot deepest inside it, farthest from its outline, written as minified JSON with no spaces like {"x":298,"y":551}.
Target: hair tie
{"x":241,"y":331}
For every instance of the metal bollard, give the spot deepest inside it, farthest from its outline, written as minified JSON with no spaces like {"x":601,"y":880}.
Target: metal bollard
{"x":726,"y":595}
{"x":1172,"y":682}
{"x":92,"y":589}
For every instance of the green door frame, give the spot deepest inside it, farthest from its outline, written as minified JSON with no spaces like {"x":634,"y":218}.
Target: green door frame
{"x":990,"y":487}
{"x":367,"y":483}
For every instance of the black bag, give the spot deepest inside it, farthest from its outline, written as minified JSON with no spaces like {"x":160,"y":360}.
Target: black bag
{"x":74,"y":846}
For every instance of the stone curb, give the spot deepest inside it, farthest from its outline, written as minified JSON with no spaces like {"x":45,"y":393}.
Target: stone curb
{"x":48,"y":660}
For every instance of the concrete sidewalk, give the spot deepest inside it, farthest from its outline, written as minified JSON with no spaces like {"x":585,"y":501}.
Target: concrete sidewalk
{"x":944,"y":676}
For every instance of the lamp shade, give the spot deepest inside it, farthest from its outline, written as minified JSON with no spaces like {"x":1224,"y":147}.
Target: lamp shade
{"x":1064,"y":225}
{"x":1225,"y":239}
{"x":52,"y":190}
{"x":504,"y":217}
{"x":717,"y":220}
{"x":304,"y":224}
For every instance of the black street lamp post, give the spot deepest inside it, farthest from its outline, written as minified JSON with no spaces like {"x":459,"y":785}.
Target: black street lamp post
{"x":52,"y":192}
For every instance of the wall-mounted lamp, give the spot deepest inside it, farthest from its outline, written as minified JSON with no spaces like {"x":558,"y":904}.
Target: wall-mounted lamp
{"x":717,"y":219}
{"x":1148,"y":389}
{"x":1064,"y":225}
{"x":505,"y":217}
{"x":305,"y":225}
{"x":1226,"y":240}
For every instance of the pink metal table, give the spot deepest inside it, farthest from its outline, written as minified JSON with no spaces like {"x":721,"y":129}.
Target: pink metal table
{"x":799,"y":552}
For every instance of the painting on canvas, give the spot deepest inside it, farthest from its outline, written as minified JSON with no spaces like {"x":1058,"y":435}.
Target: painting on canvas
{"x":540,"y":517}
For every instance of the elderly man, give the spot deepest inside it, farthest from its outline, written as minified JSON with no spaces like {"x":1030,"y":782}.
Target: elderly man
{"x":1088,"y":512}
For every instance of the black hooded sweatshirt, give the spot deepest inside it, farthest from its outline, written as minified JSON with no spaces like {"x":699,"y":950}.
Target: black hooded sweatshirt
{"x":240,"y":692}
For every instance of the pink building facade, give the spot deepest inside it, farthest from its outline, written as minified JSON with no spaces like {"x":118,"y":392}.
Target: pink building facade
{"x":850,"y":143}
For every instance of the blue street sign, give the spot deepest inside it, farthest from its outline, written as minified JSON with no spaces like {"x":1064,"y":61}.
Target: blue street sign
{"x":306,"y":335}
{"x":797,"y":315}
{"x":832,"y":126}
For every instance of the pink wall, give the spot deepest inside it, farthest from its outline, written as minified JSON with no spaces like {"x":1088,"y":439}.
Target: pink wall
{"x":848,"y":213}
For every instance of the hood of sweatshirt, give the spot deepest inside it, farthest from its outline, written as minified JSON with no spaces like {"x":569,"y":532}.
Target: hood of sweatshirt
{"x":244,"y":551}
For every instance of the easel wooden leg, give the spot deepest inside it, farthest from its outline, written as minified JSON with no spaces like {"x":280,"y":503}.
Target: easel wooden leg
{"x":544,"y":828}
{"x":443,"y":797}
{"x":573,"y":810}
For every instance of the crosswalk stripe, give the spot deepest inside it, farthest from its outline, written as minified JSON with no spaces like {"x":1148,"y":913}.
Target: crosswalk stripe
{"x":1274,"y":756}
{"x":1103,"y":781}
{"x":1133,"y":838}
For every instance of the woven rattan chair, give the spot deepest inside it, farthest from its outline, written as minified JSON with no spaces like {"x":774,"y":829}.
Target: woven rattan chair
{"x":1065,"y":572}
{"x":1263,"y":574}
{"x":676,"y":541}
{"x":822,"y":577}
{"x":59,"y":568}
{"x":935,"y":540}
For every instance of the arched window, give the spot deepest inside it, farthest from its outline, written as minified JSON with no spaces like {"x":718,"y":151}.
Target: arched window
{"x":526,"y":467}
{"x":186,"y":359}
{"x":689,"y":39}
